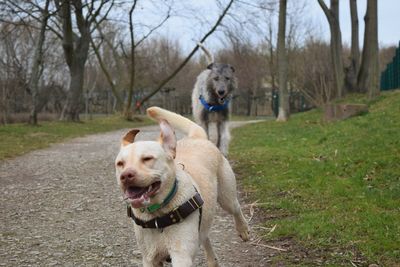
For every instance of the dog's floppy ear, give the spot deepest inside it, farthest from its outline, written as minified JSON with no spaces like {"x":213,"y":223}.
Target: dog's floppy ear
{"x":129,"y":137}
{"x":210,"y":66}
{"x":167,"y":138}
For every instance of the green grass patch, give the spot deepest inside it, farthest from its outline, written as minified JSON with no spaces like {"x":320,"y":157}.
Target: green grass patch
{"x":17,"y":139}
{"x":335,"y":185}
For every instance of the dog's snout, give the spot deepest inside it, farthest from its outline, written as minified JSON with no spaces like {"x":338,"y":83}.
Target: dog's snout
{"x":128,"y":175}
{"x":221,"y":92}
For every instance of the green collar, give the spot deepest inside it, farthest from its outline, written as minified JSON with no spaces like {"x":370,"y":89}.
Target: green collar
{"x":157,"y":206}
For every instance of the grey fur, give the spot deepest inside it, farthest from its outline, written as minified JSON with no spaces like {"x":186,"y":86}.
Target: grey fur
{"x":216,"y":85}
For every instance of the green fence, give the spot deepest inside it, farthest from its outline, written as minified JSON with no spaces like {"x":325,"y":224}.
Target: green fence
{"x":390,"y":77}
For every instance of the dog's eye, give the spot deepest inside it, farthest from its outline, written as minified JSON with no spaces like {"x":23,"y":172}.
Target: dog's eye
{"x":227,"y":78}
{"x":216,"y":78}
{"x":147,"y":158}
{"x":120,"y":163}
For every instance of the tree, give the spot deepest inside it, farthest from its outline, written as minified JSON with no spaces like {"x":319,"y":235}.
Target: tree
{"x":368,"y":77}
{"x":186,"y":60}
{"x":332,"y":15}
{"x":129,"y":57}
{"x":284,"y":111}
{"x":76,"y":46}
{"x":35,"y":73}
{"x":353,"y":69}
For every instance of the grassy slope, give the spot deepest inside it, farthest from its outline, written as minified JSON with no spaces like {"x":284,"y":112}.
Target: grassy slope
{"x":16,"y":139}
{"x":331,"y":185}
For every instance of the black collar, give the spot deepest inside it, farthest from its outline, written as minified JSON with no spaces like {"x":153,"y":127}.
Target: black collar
{"x":175,"y":216}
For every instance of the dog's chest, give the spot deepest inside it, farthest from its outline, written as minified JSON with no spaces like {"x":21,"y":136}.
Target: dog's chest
{"x":156,"y":243}
{"x":219,"y":116}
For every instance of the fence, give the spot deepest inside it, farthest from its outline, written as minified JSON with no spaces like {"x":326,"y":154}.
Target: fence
{"x":390,"y":77}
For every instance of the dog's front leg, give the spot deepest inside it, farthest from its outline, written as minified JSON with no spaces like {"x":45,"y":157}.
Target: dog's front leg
{"x":223,"y":137}
{"x":181,"y":260}
{"x":152,"y":263}
{"x":185,"y":242}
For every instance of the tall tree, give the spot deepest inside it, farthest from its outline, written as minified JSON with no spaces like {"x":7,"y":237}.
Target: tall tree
{"x":353,"y":69}
{"x":368,"y":77}
{"x":284,"y":111}
{"x":37,"y":61}
{"x":332,"y":15}
{"x":76,"y":47}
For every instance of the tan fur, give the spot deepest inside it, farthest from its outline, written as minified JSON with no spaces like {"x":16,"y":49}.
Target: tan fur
{"x":198,"y":164}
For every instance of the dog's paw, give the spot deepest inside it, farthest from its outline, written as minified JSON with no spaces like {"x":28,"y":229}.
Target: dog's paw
{"x":244,"y":234}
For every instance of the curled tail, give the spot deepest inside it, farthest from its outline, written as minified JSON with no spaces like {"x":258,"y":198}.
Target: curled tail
{"x":209,"y":56}
{"x":177,"y":121}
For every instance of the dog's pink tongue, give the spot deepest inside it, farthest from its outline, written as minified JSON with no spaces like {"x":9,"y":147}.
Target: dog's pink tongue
{"x":138,"y":202}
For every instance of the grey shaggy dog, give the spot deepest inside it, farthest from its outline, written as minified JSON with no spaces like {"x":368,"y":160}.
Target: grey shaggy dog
{"x":211,"y":98}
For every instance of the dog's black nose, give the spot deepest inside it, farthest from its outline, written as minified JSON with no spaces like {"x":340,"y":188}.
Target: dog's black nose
{"x":127,"y":175}
{"x":221,"y":92}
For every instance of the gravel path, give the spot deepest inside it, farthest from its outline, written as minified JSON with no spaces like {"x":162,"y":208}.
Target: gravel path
{"x":61,"y":207}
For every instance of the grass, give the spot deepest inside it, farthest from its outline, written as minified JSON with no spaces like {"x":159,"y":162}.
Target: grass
{"x":331,"y":186}
{"x":17,"y":139}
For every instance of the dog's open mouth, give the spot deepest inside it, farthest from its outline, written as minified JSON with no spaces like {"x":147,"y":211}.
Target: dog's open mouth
{"x":221,"y":100}
{"x":139,"y":196}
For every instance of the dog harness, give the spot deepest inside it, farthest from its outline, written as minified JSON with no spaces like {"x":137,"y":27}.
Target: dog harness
{"x":211,"y":108}
{"x":175,"y":216}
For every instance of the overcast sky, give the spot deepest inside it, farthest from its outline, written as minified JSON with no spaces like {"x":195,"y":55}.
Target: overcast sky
{"x":189,"y":30}
{"x":388,"y":20}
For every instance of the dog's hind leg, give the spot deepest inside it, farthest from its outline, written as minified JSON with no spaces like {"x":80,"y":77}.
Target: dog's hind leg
{"x":223,"y":137}
{"x":210,"y":255}
{"x":227,"y":198}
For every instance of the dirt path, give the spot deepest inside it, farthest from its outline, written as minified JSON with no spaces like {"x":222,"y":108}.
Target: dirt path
{"x":60,"y":207}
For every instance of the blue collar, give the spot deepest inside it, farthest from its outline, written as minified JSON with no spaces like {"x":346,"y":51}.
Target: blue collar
{"x":211,"y":108}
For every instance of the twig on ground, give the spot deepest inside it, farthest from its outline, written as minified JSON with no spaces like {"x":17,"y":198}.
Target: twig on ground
{"x":352,"y":263}
{"x":267,"y":246}
{"x":272,"y":229}
{"x":252,"y":210}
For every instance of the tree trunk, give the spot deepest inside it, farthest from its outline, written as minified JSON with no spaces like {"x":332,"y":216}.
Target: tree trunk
{"x":76,"y":50}
{"x":37,"y":61}
{"x":73,"y":104}
{"x":332,"y":16}
{"x":353,"y":69}
{"x":284,"y":112}
{"x":249,"y":102}
{"x":368,"y":78}
{"x":127,"y":110}
{"x":271,"y":58}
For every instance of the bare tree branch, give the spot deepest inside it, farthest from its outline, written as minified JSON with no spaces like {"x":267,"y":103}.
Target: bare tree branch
{"x":184,"y":62}
{"x":155,"y":28}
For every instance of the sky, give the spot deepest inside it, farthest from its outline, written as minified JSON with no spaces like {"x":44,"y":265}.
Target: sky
{"x":388,"y":20}
{"x":189,"y":30}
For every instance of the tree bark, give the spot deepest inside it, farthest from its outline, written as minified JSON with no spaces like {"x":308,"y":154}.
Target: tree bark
{"x":127,"y":110}
{"x":76,"y":50}
{"x":37,"y":61}
{"x":271,"y":56}
{"x":368,"y":77}
{"x":332,"y":15}
{"x":353,"y":69}
{"x":284,"y":111}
